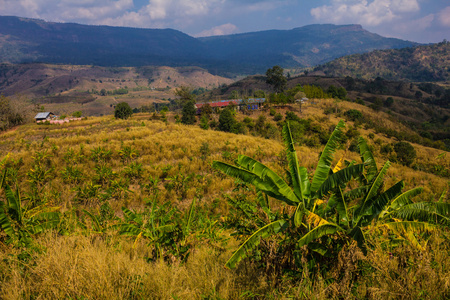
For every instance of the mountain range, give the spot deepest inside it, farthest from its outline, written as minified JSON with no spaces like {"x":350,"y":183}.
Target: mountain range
{"x":25,"y":40}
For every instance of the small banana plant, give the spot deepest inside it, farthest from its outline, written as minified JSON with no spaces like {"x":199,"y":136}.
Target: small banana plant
{"x":165,"y":229}
{"x":20,"y":222}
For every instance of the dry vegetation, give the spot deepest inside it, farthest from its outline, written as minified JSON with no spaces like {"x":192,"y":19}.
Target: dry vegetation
{"x":100,"y":165}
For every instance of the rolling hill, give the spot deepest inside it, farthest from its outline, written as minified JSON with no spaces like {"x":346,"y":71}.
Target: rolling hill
{"x":421,"y":63}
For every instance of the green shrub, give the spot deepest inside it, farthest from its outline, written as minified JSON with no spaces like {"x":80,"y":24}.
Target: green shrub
{"x":405,"y":153}
{"x":277,"y":117}
{"x":353,"y":115}
{"x":123,"y":111}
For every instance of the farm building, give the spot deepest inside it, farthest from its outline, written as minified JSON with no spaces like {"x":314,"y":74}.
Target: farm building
{"x":251,"y":104}
{"x":44,"y":116}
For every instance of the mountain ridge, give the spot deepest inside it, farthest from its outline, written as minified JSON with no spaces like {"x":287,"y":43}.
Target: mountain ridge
{"x":25,"y":40}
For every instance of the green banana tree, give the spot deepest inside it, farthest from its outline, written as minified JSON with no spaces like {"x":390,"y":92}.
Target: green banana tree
{"x":20,"y":222}
{"x":348,"y":214}
{"x":304,"y":195}
{"x":374,"y":208}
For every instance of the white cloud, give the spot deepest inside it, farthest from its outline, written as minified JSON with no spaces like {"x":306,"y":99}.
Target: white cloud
{"x":370,"y":13}
{"x":444,"y":17}
{"x":65,"y":10}
{"x":219,"y":30}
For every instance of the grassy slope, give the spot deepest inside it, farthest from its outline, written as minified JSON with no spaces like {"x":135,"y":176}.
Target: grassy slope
{"x":106,"y":266}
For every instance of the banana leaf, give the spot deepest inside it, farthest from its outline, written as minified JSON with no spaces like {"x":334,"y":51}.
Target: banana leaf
{"x":261,"y":177}
{"x":254,"y":240}
{"x":367,"y":158}
{"x":318,"y":232}
{"x":324,"y":164}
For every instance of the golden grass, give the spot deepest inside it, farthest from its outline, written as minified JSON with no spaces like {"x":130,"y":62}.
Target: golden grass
{"x":104,"y":266}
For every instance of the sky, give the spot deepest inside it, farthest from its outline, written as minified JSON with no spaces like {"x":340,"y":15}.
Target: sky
{"x":424,"y":21}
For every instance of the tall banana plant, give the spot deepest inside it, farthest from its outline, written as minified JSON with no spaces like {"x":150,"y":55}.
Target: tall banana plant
{"x":303,"y":194}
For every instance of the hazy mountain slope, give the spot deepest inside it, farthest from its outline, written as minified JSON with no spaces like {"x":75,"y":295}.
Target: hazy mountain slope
{"x":25,"y":40}
{"x":31,"y":40}
{"x":421,"y":63}
{"x":300,"y":47}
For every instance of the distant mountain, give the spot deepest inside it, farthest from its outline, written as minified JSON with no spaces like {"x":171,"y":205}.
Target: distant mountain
{"x":297,"y":48}
{"x":421,"y":63}
{"x":30,"y":40}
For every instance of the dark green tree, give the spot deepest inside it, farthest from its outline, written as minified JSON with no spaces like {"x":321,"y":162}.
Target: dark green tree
{"x":226,"y":120}
{"x":185,"y":95}
{"x":123,"y":111}
{"x":276,"y":78}
{"x":188,"y":113}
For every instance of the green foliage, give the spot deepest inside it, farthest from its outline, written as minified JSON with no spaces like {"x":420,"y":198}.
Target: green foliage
{"x":406,"y":154}
{"x":204,"y":122}
{"x":77,"y":114}
{"x":316,"y":223}
{"x":227,"y":121}
{"x":20,"y":222}
{"x":123,"y":111}
{"x":353,"y":115}
{"x":188,"y":113}
{"x":276,"y":78}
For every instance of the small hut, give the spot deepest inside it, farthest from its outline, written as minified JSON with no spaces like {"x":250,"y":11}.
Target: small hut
{"x":44,"y":116}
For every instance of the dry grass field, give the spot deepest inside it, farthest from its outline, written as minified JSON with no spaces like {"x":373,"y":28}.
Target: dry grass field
{"x":99,"y":171}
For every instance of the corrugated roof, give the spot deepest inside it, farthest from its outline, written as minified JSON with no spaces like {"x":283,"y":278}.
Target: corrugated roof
{"x":42,"y":115}
{"x":222,"y":103}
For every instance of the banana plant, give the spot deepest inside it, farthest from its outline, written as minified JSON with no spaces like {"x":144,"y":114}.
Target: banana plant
{"x":305,"y":196}
{"x":162,"y":226}
{"x":20,"y":222}
{"x":375,"y":208}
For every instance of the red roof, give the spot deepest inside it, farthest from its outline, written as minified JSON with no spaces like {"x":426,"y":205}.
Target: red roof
{"x":217,"y":104}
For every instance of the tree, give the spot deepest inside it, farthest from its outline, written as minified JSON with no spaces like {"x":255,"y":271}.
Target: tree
{"x":185,"y":95}
{"x":276,"y":78}
{"x":9,"y":115}
{"x":188,"y":113}
{"x":226,"y":120}
{"x":123,"y":111}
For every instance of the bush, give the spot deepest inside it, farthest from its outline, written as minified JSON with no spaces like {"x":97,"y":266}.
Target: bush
{"x":277,"y":117}
{"x":123,"y":111}
{"x":405,"y":153}
{"x":291,"y":116}
{"x":353,"y":115}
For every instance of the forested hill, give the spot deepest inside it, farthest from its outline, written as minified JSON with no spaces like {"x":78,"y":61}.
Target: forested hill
{"x":298,"y":48}
{"x":421,"y":63}
{"x":32,"y":40}
{"x":29,"y":40}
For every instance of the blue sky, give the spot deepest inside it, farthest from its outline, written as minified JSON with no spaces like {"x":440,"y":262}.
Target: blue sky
{"x":423,"y":21}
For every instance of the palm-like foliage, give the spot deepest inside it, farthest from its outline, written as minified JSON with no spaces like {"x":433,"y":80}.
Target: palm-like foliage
{"x":20,"y":222}
{"x":347,"y":213}
{"x":303,"y":194}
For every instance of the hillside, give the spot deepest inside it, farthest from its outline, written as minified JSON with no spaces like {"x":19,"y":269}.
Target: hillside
{"x":423,"y":107}
{"x":67,"y":88}
{"x":420,"y":63}
{"x":134,"y":210}
{"x":30,"y":40}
